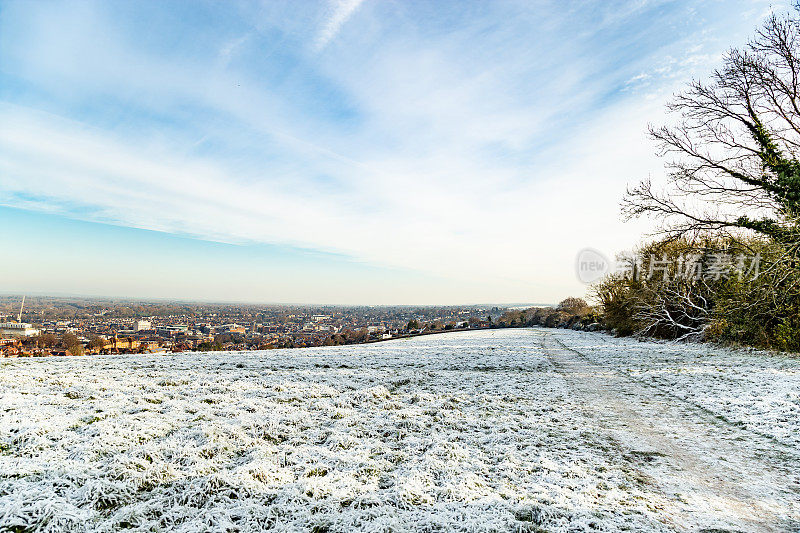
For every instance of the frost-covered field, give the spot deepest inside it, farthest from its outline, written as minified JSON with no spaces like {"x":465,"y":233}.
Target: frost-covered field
{"x":472,"y":431}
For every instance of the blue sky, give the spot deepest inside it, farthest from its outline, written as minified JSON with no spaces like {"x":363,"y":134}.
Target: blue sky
{"x":338,"y":151}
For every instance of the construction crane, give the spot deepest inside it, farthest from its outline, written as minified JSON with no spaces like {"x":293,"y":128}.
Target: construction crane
{"x":19,"y":316}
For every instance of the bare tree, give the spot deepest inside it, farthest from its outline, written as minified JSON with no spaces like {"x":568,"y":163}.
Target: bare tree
{"x":680,"y":309}
{"x":70,"y":340}
{"x":574,"y":306}
{"x":46,"y":340}
{"x":97,"y":342}
{"x":733,"y":149}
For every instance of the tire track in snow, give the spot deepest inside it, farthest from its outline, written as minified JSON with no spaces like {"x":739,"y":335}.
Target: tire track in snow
{"x":714,"y":417}
{"x":717,"y":474}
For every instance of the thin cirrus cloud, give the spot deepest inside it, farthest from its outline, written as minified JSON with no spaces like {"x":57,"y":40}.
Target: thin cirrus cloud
{"x":341,"y":11}
{"x":467,"y":141}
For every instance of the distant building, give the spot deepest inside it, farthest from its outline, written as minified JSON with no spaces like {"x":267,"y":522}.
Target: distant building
{"x":18,"y":329}
{"x":232,"y":328}
{"x":173,"y":330}
{"x":142,"y":325}
{"x":9,"y":350}
{"x":121,"y":343}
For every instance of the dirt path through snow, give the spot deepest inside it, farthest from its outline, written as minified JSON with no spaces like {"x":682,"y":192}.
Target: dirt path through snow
{"x":716,"y":476}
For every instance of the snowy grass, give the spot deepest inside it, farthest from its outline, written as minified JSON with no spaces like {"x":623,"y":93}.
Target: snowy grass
{"x":464,"y":432}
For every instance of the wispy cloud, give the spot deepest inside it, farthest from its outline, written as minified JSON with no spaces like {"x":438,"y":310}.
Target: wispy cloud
{"x":447,"y":139}
{"x":341,"y":11}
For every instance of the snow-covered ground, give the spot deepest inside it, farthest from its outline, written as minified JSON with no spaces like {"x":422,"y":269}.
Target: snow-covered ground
{"x":469,"y":431}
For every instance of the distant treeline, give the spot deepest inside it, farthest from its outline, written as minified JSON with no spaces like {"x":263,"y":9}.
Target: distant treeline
{"x":572,"y":313}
